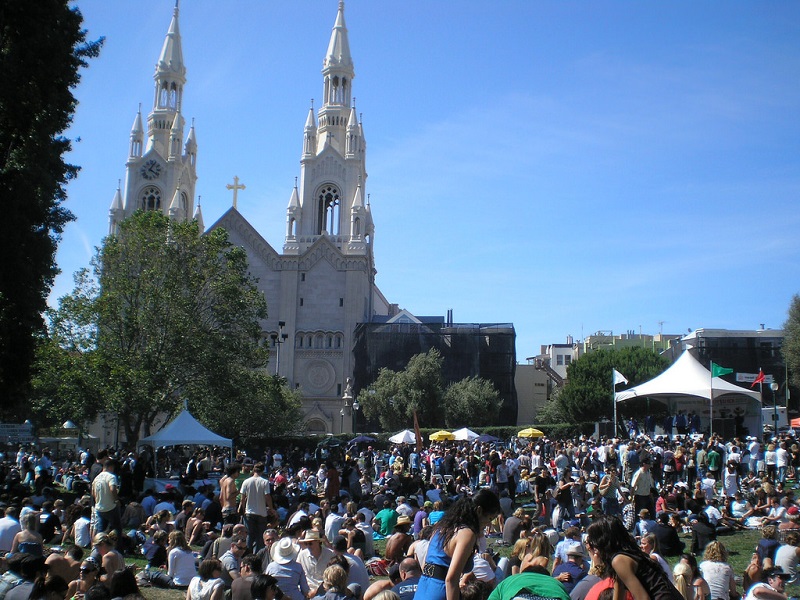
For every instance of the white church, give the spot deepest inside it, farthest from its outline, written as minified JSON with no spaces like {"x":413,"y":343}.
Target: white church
{"x":322,"y":284}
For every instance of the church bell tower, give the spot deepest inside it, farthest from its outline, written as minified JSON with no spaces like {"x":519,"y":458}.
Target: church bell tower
{"x":161,"y":168}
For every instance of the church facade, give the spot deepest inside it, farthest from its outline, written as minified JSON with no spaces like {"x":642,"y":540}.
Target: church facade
{"x":321,"y":284}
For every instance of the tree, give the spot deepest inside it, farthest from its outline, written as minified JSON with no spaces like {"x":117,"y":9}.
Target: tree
{"x":791,"y":343}
{"x":175,"y":316}
{"x":471,"y":402}
{"x":587,"y":393}
{"x":395,"y":396}
{"x":42,"y":49}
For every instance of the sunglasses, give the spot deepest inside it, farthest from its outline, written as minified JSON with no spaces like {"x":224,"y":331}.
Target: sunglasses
{"x":241,"y":547}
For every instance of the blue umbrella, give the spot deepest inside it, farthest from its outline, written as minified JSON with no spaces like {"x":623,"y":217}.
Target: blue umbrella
{"x":362,"y":439}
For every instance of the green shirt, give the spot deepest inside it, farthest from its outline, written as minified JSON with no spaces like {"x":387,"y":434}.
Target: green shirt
{"x":714,"y":459}
{"x":541,"y":586}
{"x":388,"y":519}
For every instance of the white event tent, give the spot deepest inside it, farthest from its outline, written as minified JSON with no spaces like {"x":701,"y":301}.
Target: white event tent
{"x":465,"y":434}
{"x":687,"y":385}
{"x":185,"y":430}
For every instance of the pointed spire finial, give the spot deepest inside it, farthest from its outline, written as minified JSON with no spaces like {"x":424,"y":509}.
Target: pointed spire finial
{"x":295,"y":182}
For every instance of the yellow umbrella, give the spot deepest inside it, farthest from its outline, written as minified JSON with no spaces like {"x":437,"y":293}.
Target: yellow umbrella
{"x":440,"y":436}
{"x":530,"y":432}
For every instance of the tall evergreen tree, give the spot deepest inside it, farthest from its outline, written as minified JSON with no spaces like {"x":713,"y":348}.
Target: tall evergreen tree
{"x":42,"y":49}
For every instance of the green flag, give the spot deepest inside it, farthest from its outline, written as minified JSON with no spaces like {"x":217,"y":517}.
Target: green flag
{"x":717,"y":371}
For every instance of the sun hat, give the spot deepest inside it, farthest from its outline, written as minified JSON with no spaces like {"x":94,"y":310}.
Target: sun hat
{"x":404,"y":520}
{"x":284,"y":551}
{"x":310,"y":535}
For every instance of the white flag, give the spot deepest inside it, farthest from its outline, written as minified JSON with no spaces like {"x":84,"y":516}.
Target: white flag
{"x":618,"y":378}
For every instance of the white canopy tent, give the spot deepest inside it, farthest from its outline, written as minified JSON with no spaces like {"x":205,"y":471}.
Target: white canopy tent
{"x":465,"y":434}
{"x":687,"y":385}
{"x":185,"y":430}
{"x":404,"y":437}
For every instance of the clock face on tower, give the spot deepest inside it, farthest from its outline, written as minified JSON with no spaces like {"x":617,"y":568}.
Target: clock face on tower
{"x":151,"y":169}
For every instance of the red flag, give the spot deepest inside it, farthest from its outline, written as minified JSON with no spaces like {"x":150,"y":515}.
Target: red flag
{"x":417,"y":433}
{"x":759,"y":379}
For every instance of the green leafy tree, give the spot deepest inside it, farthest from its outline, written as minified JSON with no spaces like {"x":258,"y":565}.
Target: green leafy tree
{"x":791,"y":343}
{"x":174,"y":316}
{"x":42,"y":49}
{"x":471,"y":402}
{"x":395,"y":396}
{"x":587,"y":393}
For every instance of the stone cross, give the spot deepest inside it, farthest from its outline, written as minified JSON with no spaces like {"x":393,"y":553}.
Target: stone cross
{"x":235,"y":187}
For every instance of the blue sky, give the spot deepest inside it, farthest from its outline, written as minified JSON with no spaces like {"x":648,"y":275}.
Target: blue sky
{"x":566,"y":166}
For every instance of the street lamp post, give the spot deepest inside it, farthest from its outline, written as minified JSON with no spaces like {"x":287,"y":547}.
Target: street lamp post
{"x":278,"y":339}
{"x":356,"y":407}
{"x":774,"y":387}
{"x":341,"y":414}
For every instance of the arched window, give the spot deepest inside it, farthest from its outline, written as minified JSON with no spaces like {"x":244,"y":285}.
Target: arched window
{"x":318,"y":341}
{"x":328,"y":210}
{"x":151,"y":198}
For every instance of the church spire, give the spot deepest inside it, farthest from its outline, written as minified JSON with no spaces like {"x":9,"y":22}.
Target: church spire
{"x":137,"y":135}
{"x":310,"y":134}
{"x":169,"y":77}
{"x":171,"y":60}
{"x":337,"y":74}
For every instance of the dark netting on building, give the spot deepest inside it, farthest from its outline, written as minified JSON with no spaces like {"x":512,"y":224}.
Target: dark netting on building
{"x":469,"y":350}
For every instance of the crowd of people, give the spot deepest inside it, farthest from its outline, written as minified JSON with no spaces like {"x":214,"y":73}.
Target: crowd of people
{"x":582,"y":518}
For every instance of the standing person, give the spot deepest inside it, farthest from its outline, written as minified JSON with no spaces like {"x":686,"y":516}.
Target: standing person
{"x":641,"y":487}
{"x":611,"y":545}
{"x":256,"y":503}
{"x":609,"y":487}
{"x":105,"y":490}
{"x":228,"y":493}
{"x":451,"y":548}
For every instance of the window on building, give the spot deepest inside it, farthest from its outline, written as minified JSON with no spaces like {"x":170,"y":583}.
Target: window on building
{"x":560,"y":360}
{"x":567,"y":359}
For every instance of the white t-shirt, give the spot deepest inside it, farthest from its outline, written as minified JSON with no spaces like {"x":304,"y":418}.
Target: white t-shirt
{"x":82,"y":536}
{"x":719,"y":576}
{"x":104,"y":486}
{"x":257,"y":489}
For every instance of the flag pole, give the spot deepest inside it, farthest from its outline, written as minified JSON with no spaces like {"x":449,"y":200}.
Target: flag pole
{"x":711,"y":398}
{"x":614,"y":400}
